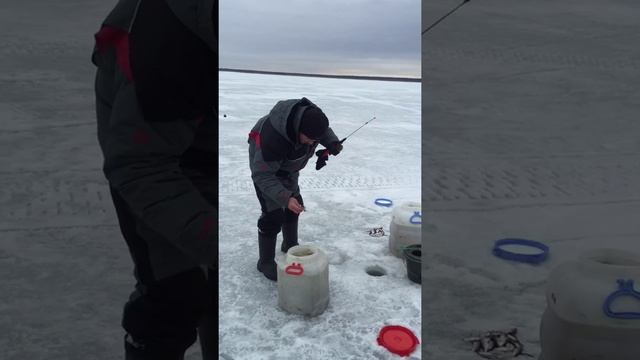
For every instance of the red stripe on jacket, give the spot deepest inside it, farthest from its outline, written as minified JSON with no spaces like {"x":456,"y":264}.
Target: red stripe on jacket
{"x":255,"y":136}
{"x":205,"y":230}
{"x":109,"y":36}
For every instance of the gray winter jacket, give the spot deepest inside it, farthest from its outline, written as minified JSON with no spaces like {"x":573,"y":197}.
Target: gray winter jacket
{"x":162,"y":163}
{"x":275,"y":154}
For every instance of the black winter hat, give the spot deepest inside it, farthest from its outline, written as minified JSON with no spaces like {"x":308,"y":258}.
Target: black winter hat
{"x":314,"y":123}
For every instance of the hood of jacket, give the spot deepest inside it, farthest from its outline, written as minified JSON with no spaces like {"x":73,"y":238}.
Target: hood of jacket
{"x":198,"y":16}
{"x":286,"y":116}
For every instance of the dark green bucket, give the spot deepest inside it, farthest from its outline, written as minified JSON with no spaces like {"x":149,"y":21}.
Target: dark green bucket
{"x":413,"y":257}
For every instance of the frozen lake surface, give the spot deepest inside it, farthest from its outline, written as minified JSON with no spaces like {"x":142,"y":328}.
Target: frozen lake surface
{"x":380,"y":160}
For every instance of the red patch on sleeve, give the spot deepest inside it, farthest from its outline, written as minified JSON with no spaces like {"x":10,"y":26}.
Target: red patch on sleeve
{"x":141,"y":137}
{"x":110,"y":36}
{"x":207,"y":225}
{"x":255,"y":136}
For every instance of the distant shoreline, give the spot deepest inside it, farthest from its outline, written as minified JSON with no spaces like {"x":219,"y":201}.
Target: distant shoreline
{"x":351,"y":77}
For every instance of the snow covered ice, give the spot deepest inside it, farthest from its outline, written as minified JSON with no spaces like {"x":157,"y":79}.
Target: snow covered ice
{"x":381,"y":160}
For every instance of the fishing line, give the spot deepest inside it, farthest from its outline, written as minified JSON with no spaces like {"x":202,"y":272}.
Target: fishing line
{"x":444,"y":17}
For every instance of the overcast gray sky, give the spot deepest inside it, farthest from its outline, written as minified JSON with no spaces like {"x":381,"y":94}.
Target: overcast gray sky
{"x":359,"y":37}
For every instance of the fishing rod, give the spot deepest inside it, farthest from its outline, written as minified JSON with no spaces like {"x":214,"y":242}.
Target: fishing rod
{"x":323,"y":155}
{"x":368,"y":121}
{"x":444,"y":17}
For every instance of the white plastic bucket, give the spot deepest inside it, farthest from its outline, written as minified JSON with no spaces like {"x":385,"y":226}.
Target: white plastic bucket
{"x":583,"y":320}
{"x":303,"y":281}
{"x":406,"y":227}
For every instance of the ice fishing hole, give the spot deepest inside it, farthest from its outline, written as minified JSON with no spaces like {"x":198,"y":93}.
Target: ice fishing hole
{"x":376,"y":270}
{"x":615,"y":259}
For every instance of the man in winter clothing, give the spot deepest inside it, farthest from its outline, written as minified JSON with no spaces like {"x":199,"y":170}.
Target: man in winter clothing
{"x":280,"y":145}
{"x":156,"y":104}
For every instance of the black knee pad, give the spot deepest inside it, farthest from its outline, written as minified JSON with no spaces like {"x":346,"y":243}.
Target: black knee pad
{"x":270,"y":223}
{"x":290,"y":216}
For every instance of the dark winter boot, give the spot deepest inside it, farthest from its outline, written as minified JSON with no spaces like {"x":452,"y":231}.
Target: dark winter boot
{"x":289,"y":235}
{"x":266,"y":263}
{"x":136,"y":351}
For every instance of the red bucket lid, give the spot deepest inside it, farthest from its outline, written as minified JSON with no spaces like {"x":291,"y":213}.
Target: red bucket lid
{"x":398,"y":340}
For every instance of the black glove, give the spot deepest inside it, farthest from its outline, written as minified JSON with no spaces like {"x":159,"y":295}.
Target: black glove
{"x":323,"y":156}
{"x":335,"y":148}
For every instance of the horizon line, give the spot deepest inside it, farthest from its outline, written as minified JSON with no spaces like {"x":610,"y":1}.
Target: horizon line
{"x":351,"y":77}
